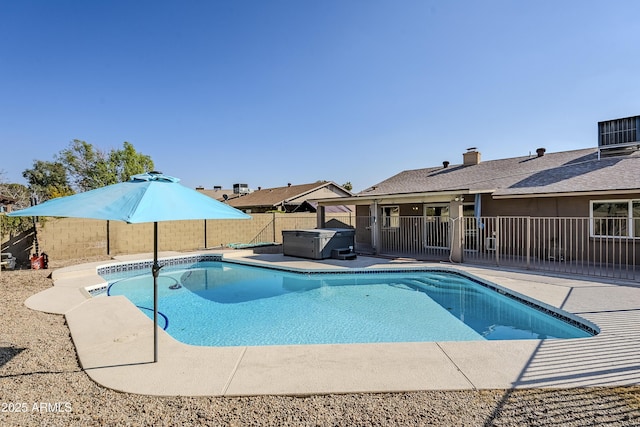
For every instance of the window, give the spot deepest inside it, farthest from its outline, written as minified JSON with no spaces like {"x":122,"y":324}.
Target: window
{"x":391,"y":216}
{"x":437,"y":211}
{"x":615,"y":218}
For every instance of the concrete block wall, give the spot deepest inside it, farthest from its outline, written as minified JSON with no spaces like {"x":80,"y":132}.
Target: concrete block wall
{"x":69,"y":238}
{"x":131,"y":238}
{"x":293,"y":222}
{"x":60,"y":237}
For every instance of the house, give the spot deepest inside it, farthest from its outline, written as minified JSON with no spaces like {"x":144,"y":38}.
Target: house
{"x":413,"y":212}
{"x":6,"y":203}
{"x":224,"y":195}
{"x":292,"y":198}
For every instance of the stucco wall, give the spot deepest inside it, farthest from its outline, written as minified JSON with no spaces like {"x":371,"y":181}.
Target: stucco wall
{"x":575,"y":206}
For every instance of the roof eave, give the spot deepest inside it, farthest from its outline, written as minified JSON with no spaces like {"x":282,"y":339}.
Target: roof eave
{"x":428,"y":196}
{"x":304,"y":193}
{"x":567,"y":194}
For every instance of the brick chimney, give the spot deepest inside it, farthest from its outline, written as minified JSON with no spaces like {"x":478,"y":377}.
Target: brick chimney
{"x":471,"y":157}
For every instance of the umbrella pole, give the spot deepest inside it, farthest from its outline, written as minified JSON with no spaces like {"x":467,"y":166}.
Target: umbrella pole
{"x":155,"y":270}
{"x":205,"y":234}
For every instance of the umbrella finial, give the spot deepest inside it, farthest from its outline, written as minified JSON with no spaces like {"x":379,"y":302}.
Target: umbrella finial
{"x":154,"y":176}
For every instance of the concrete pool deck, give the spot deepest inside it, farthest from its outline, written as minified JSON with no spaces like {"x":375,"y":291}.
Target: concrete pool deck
{"x":114,"y":342}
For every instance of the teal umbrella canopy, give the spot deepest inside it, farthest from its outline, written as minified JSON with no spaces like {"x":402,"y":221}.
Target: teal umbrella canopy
{"x":149,"y":197}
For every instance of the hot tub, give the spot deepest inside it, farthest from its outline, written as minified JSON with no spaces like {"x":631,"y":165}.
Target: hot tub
{"x":317,"y":243}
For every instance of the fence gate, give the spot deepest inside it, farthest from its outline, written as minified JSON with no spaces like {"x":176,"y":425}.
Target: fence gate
{"x":420,"y":237}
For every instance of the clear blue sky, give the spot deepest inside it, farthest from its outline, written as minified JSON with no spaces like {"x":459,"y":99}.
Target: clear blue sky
{"x":271,"y":92}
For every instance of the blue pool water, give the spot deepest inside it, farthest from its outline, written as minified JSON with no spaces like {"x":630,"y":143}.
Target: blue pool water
{"x":222,"y":304}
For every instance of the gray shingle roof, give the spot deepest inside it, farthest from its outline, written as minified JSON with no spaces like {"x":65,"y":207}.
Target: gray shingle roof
{"x":562,"y":172}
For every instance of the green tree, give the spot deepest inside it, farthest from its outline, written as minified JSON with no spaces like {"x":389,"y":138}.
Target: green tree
{"x":128,"y":162}
{"x":86,"y":167}
{"x":90,"y":168}
{"x":347,"y":186}
{"x":47,"y":180}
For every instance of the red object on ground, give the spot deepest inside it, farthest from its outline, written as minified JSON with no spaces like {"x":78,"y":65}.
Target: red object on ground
{"x":37,"y":262}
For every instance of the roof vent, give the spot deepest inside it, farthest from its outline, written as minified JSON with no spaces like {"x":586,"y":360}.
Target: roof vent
{"x":471,"y":157}
{"x":540,"y":151}
{"x":445,"y":164}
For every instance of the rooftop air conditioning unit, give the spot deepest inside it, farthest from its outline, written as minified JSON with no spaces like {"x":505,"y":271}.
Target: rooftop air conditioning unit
{"x":241,"y":189}
{"x":618,"y":136}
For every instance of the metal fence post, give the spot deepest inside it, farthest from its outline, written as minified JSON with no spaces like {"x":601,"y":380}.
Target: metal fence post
{"x":497,"y":242}
{"x":528,"y":244}
{"x":273,"y":221}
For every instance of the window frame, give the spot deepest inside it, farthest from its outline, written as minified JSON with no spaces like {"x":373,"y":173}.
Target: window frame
{"x":390,"y":222}
{"x":631,"y":232}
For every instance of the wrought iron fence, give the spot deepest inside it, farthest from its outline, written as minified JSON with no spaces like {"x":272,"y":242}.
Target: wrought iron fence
{"x":416,"y":236}
{"x":564,"y":245}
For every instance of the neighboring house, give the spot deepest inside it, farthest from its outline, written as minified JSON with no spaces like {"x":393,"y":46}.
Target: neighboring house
{"x":292,"y":198}
{"x":224,"y":195}
{"x":6,"y":203}
{"x":414,"y":209}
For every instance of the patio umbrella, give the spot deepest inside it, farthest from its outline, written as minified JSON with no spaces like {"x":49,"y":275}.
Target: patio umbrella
{"x":148,"y":197}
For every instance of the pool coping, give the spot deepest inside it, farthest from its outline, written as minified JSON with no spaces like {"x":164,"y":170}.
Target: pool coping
{"x":114,"y":341}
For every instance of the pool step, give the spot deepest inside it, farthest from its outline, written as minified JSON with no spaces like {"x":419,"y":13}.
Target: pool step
{"x":343,"y":253}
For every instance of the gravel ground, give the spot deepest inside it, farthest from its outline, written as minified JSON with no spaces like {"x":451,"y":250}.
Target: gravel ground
{"x":41,"y":383}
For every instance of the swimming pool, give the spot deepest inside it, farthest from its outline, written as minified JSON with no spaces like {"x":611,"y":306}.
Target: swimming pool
{"x":215,"y":303}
